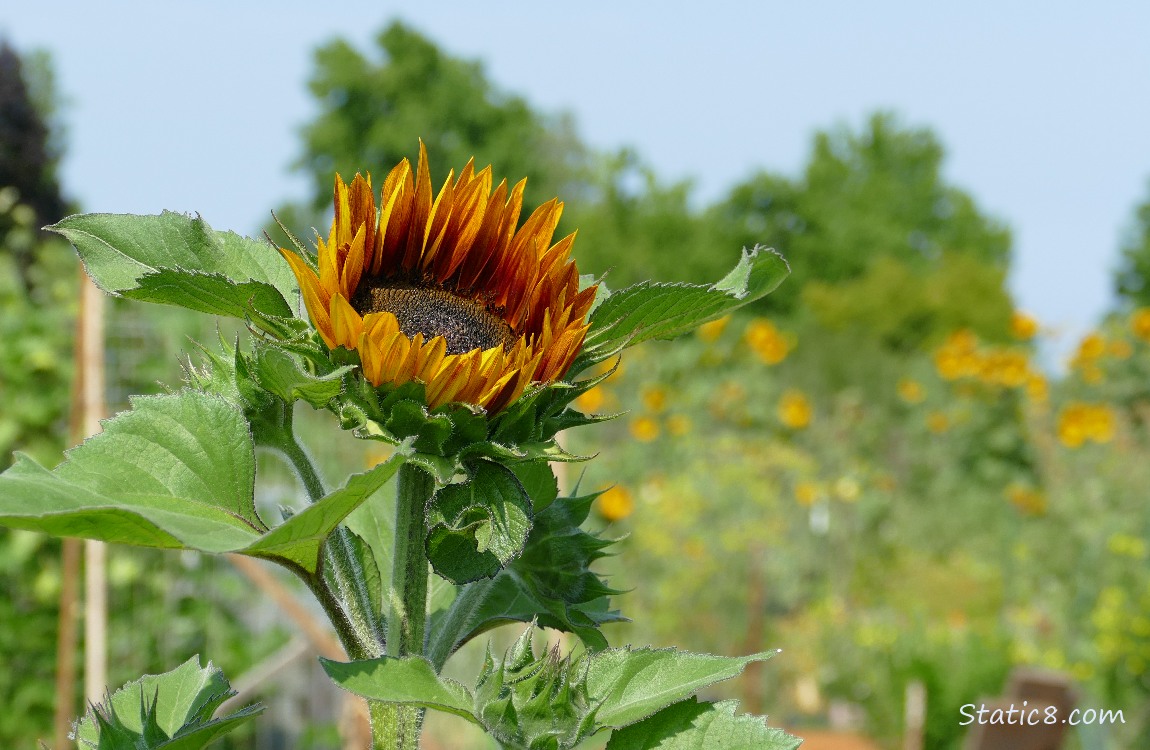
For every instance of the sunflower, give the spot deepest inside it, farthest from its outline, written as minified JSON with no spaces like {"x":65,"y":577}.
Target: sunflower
{"x":447,"y":292}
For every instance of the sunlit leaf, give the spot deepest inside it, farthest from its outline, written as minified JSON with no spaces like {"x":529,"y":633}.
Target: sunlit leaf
{"x":691,"y":725}
{"x":178,"y":259}
{"x":651,"y":310}
{"x":172,"y":711}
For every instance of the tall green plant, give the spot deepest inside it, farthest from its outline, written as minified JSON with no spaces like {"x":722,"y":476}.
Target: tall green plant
{"x":396,"y":299}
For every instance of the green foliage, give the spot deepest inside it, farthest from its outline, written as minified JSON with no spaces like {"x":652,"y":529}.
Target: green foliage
{"x":179,"y":260}
{"x":650,"y":310}
{"x":1132,"y":277}
{"x":691,"y":725}
{"x":960,"y":291}
{"x":29,"y":150}
{"x":863,"y":196}
{"x":36,"y":324}
{"x":551,"y":583}
{"x":633,"y":226}
{"x":109,"y":487}
{"x":478,"y":526}
{"x":172,"y":711}
{"x":550,"y":702}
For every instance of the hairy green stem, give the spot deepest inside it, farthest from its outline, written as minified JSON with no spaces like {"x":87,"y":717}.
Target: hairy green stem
{"x":407,"y":609}
{"x":301,"y":462}
{"x":343,"y":589}
{"x":453,"y":628}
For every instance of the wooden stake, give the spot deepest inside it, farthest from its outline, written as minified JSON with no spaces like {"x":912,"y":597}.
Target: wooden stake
{"x":90,"y":370}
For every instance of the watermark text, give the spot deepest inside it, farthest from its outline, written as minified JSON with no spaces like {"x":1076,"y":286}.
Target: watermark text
{"x":1029,"y":716}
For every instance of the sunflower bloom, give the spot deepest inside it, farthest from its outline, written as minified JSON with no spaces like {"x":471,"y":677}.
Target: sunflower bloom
{"x":445,"y":290}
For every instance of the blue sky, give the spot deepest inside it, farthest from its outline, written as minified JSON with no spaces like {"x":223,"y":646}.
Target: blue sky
{"x":1044,"y":108}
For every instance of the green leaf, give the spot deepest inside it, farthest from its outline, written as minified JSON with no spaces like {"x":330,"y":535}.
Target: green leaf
{"x":651,"y":310}
{"x":410,"y":681}
{"x":539,"y":482}
{"x":633,"y":684}
{"x":179,"y":260}
{"x":551,"y":582}
{"x":691,"y":725}
{"x":298,"y":540}
{"x":177,"y":470}
{"x":172,"y":711}
{"x":476,"y":527}
{"x":214,"y":294}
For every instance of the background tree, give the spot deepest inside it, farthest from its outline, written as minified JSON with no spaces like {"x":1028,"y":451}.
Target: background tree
{"x":1132,"y":278}
{"x":876,"y":193}
{"x":373,"y":109}
{"x":28,"y":152}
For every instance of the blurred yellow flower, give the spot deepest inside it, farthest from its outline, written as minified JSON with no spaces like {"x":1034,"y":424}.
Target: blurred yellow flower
{"x":1091,"y":373}
{"x":616,"y":503}
{"x":847,"y":489}
{"x":1027,"y":500}
{"x":591,"y":401}
{"x":1005,"y":367}
{"x":714,"y":329}
{"x":1022,"y":326}
{"x":807,"y":492}
{"x":767,"y":342}
{"x":1140,"y":323}
{"x":678,"y":424}
{"x":1090,"y":348}
{"x":644,"y":429}
{"x":1037,"y":389}
{"x":795,"y":409}
{"x":1079,"y":422}
{"x":937,"y":422}
{"x":1121,"y":349}
{"x":1126,"y":545}
{"x":654,"y":398}
{"x":958,"y":356}
{"x":911,"y":391}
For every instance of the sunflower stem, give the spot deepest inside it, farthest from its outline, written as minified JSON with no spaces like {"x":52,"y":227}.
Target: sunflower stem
{"x":342,"y":589}
{"x":301,"y":463}
{"x":398,"y":726}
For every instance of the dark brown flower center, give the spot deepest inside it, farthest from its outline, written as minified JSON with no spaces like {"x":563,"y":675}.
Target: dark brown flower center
{"x":466,"y":324}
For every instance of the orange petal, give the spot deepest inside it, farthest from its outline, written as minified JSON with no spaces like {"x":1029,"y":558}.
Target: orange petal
{"x":396,"y":198}
{"x":431,"y":359}
{"x":417,"y":227}
{"x":353,"y":264}
{"x":346,"y":324}
{"x":341,"y":224}
{"x":363,"y":214}
{"x":438,"y":222}
{"x":395,"y":349}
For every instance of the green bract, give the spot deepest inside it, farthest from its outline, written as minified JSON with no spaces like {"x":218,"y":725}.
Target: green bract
{"x":171,"y":711}
{"x":552,"y":702}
